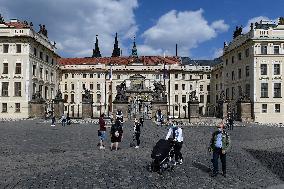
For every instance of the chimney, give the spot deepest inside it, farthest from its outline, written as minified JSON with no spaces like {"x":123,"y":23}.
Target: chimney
{"x":176,"y":49}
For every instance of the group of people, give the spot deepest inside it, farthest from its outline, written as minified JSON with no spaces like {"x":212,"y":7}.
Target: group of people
{"x":116,"y":131}
{"x":64,"y":120}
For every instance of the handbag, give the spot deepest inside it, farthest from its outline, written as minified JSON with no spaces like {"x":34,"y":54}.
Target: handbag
{"x":99,"y":133}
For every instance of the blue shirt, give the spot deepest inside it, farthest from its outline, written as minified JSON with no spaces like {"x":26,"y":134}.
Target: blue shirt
{"x":218,"y":143}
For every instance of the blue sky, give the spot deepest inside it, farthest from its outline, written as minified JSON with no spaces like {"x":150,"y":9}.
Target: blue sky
{"x":199,"y":27}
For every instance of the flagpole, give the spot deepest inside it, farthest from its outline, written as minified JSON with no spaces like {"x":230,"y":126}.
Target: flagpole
{"x":110,"y":77}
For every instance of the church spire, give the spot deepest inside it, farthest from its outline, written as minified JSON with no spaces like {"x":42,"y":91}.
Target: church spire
{"x":116,"y":49}
{"x":134,"y":49}
{"x":96,"y":51}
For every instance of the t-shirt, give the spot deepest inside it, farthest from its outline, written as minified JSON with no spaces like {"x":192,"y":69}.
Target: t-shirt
{"x":102,"y":124}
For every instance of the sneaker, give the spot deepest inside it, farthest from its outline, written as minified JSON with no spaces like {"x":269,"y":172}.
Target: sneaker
{"x":102,"y":148}
{"x":180,"y":161}
{"x":136,"y":147}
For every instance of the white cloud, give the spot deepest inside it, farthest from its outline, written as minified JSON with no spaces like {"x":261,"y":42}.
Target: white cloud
{"x":74,"y":24}
{"x":188,"y":29}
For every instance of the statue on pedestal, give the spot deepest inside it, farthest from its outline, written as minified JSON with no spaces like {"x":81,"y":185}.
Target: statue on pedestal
{"x":87,"y":97}
{"x":121,"y":93}
{"x":193,"y":97}
{"x":159,"y":92}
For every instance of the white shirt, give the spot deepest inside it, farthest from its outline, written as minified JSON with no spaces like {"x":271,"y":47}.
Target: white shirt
{"x":178,"y":133}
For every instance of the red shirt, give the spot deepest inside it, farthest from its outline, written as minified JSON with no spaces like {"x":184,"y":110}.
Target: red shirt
{"x":102,"y":124}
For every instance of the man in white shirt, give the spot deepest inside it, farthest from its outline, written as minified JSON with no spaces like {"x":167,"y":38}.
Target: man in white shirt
{"x":176,"y":132}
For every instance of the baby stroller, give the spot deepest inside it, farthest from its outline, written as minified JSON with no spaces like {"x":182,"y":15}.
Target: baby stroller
{"x":162,"y":155}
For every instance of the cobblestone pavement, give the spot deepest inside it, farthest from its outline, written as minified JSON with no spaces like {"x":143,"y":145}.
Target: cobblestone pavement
{"x":35,"y":155}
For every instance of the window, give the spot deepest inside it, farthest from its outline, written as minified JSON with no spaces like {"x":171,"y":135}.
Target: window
{"x":84,"y":86}
{"x":263,"y":49}
{"x":183,"y":86}
{"x":65,"y":87}
{"x":41,"y":55}
{"x":72,"y":86}
{"x":99,"y":75}
{"x":34,"y":70}
{"x":277,"y":90}
{"x":51,"y":77}
{"x":18,"y":48}
{"x":276,"y":68}
{"x":247,"y":71}
{"x":233,"y":59}
{"x":84,"y":75}
{"x":240,"y":90}
{"x":240,"y":73}
{"x":176,"y":98}
{"x":201,"y":87}
{"x":176,"y":86}
{"x":264,"y":90}
{"x":17,"y":107}
{"x":40,"y":73}
{"x":72,"y":98}
{"x":216,"y":87}
{"x":35,"y":52}
{"x":5,"y":48}
{"x":190,"y":87}
{"x":263,"y":69}
{"x":52,"y":61}
{"x":46,"y":75}
{"x":66,"y":76}
{"x":18,"y":68}
{"x":65,"y":98}
{"x":264,"y":108}
{"x":227,"y":61}
{"x":201,"y":76}
{"x":276,"y":49}
{"x":277,"y":108}
{"x":190,"y":77}
{"x":183,"y":99}
{"x":208,"y":76}
{"x":248,"y":89}
{"x":216,"y":76}
{"x":17,"y":89}
{"x":176,"y":76}
{"x":208,"y":98}
{"x":5,"y":88}
{"x":247,"y":52}
{"x":201,"y":98}
{"x":157,"y":76}
{"x":227,"y":93}
{"x":91,"y":86}
{"x":208,"y":87}
{"x":233,"y":93}
{"x":4,"y":107}
{"x":233,"y":75}
{"x":240,"y":56}
{"x":183,"y":76}
{"x":176,"y":108}
{"x":5,"y":68}
{"x":91,"y":75}
{"x":46,"y":58}
{"x":72,"y":75}
{"x":99,"y":98}
{"x":98,"y":87}
{"x":217,"y":98}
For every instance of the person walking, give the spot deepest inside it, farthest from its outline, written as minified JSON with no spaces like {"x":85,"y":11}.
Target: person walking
{"x":63,"y":120}
{"x":102,"y":131}
{"x":220,"y":143}
{"x":68,"y":120}
{"x":141,"y":121}
{"x":53,"y":121}
{"x":116,"y":132}
{"x":177,"y":136}
{"x":137,"y":131}
{"x":231,"y":122}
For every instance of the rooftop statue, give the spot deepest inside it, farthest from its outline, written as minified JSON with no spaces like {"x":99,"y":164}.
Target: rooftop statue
{"x":58,"y":95}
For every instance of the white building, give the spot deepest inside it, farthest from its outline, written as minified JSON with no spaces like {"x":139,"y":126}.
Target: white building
{"x":28,"y":63}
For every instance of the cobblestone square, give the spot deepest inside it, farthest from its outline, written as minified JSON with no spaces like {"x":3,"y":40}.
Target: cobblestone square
{"x":35,"y":155}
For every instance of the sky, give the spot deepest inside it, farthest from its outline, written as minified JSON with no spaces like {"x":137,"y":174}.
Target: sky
{"x":199,"y":27}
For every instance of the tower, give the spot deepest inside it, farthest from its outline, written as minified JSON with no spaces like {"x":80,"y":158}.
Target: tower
{"x":116,"y":49}
{"x":96,"y":51}
{"x":134,"y":49}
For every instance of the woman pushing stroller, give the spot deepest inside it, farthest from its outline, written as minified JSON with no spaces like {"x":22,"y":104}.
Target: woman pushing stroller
{"x":177,"y":136}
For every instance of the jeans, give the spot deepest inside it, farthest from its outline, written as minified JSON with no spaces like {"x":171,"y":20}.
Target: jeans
{"x":137,"y":138}
{"x":63,"y":123}
{"x":216,"y":153}
{"x":177,"y":149}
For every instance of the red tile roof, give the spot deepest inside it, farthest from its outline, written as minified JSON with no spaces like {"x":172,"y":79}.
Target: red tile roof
{"x":146,"y":60}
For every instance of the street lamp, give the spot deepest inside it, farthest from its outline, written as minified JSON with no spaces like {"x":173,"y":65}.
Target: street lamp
{"x":179,"y":110}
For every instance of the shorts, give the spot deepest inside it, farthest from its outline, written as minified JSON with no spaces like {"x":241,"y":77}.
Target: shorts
{"x":103,"y":135}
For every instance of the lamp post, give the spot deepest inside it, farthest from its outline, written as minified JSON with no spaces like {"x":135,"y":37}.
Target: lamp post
{"x":68,"y":109}
{"x":78,"y":111}
{"x":188,"y":110}
{"x":179,"y":110}
{"x":184,"y":108}
{"x":173,"y":111}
